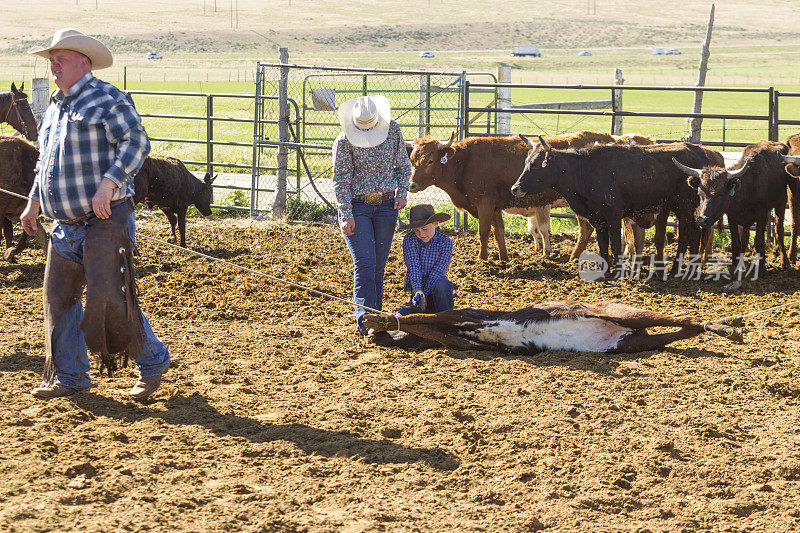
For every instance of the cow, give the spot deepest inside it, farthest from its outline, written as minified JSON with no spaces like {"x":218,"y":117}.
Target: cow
{"x":167,"y":183}
{"x":477,"y":174}
{"x":606,"y":183}
{"x":18,"y":159}
{"x":746,"y":193}
{"x":792,"y":160}
{"x":606,"y":327}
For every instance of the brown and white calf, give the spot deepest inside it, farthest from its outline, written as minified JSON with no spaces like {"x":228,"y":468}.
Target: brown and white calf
{"x":792,"y":161}
{"x":609,"y":327}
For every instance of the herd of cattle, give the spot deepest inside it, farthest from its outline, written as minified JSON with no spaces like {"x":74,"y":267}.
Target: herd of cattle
{"x":610,"y":183}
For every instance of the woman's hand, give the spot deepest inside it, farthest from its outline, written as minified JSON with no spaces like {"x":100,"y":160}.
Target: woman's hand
{"x":348,"y":226}
{"x":399,"y":203}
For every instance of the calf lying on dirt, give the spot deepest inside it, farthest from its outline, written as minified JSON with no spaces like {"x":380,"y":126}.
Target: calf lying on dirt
{"x":167,"y":183}
{"x":610,"y":327}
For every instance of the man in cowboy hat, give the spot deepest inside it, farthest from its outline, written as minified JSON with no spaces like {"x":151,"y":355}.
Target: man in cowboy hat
{"x":427,"y":253}
{"x":371,"y":171}
{"x":92,"y":145}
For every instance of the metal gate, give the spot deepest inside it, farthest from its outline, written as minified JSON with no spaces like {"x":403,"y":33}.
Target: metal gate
{"x":423,"y":103}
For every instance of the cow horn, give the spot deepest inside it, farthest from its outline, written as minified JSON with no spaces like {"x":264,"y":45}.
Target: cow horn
{"x":738,"y":172}
{"x":442,"y":145}
{"x":544,"y":143}
{"x":688,"y":170}
{"x":410,"y":145}
{"x":790,"y":159}
{"x":530,"y":143}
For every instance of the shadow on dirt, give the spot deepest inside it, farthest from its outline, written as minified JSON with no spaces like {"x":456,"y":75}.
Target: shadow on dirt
{"x":21,"y":361}
{"x":195,"y":410}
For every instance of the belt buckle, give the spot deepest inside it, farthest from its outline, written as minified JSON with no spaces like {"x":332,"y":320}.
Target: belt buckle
{"x":373,"y":198}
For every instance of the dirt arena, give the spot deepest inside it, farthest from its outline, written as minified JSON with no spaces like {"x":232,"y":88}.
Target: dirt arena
{"x":275,"y":416}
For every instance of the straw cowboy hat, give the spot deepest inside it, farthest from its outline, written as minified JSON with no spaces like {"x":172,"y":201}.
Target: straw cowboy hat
{"x":365,"y":120}
{"x":69,"y":39}
{"x":422,"y":215}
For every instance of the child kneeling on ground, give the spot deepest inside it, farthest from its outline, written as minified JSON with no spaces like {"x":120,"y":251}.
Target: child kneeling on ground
{"x":427,"y":253}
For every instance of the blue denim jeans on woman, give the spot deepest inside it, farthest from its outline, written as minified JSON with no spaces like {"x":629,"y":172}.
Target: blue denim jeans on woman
{"x":369,"y":246}
{"x":69,"y":347}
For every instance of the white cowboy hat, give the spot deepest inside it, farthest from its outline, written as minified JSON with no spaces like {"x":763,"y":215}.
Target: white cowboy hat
{"x":69,"y":39}
{"x":365,"y":120}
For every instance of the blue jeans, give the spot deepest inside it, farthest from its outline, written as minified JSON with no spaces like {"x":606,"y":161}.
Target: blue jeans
{"x":369,"y":247}
{"x":440,"y":298}
{"x":69,"y":349}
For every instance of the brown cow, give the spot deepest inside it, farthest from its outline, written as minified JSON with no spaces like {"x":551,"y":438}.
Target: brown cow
{"x":792,"y":168}
{"x":17,"y":164}
{"x":745,"y":193}
{"x":477,"y":174}
{"x":608,"y":327}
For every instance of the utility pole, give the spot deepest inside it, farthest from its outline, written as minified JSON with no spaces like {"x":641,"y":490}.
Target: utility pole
{"x":696,"y":123}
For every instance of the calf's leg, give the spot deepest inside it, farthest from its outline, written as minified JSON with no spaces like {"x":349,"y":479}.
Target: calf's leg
{"x":499,"y":229}
{"x":182,"y":225}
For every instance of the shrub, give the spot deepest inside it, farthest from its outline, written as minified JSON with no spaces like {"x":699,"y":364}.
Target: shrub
{"x":299,"y":209}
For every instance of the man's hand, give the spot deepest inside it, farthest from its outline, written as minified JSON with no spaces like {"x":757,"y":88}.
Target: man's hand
{"x":399,"y":203}
{"x":348,"y":226}
{"x":101,"y":201}
{"x":418,"y":303}
{"x":28,"y":217}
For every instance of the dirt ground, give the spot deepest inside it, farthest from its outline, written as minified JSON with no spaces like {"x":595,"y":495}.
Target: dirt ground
{"x":275,"y":416}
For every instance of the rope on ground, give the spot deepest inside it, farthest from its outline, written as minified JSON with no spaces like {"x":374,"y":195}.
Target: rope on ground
{"x":739,"y":319}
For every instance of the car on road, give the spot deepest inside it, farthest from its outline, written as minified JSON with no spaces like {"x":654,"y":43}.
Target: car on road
{"x":673,"y":52}
{"x":426,"y":54}
{"x":154,"y":55}
{"x":584,"y":53}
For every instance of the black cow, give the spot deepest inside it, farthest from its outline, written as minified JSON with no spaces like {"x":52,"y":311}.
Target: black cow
{"x":745,"y":193}
{"x":168,"y":184}
{"x":607,"y":183}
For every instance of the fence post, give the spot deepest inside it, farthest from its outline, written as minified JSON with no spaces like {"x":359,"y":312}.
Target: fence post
{"x":209,"y":134}
{"x":40,"y":97}
{"x":125,"y":78}
{"x":279,"y":206}
{"x":504,"y":100}
{"x":701,"y":81}
{"x":616,"y":103}
{"x":774,"y":98}
{"x":423,"y":104}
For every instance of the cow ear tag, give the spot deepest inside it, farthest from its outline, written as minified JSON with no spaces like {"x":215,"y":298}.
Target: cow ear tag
{"x":444,"y":159}
{"x":733,"y":189}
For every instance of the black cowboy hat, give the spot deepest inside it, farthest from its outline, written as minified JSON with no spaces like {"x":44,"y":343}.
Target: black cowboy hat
{"x":422,"y":215}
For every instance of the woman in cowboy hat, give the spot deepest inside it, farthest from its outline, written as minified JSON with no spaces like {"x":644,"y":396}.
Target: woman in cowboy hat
{"x":427,"y":253}
{"x":371,"y":171}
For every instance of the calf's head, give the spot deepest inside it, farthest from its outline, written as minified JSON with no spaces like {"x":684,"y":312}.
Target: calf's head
{"x":202,"y":199}
{"x":538,"y":175}
{"x":716,"y":186}
{"x":428,"y":156}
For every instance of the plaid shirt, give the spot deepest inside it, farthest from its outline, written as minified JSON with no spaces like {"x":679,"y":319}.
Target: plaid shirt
{"x":426,"y":263}
{"x":90,"y":134}
{"x":357,"y":170}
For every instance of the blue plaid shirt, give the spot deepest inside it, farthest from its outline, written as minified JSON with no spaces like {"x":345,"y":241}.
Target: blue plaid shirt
{"x":92,"y":133}
{"x":426,"y":263}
